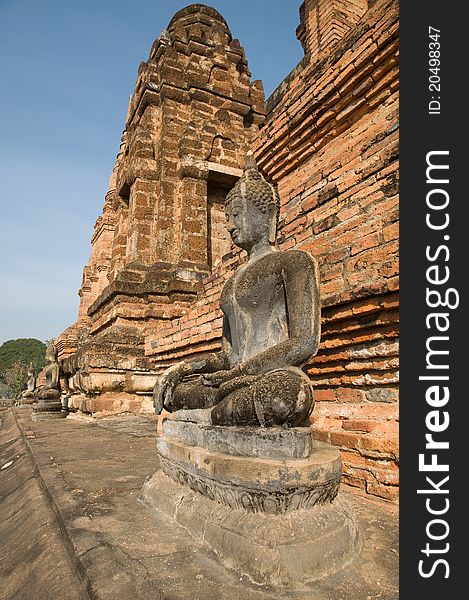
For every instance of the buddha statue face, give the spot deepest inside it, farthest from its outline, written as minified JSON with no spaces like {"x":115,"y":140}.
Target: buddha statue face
{"x":247,"y":223}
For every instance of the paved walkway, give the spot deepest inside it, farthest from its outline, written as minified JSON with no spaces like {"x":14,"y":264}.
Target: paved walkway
{"x":72,"y":526}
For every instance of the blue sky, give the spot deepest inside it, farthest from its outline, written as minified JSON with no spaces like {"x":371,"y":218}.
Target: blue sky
{"x":67,"y":69}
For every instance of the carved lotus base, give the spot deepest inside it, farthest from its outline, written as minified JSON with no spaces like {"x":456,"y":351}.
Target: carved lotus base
{"x":276,"y":519}
{"x":254,"y":483}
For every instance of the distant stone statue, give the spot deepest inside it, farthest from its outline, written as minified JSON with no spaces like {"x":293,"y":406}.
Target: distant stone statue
{"x":31,"y":384}
{"x":51,"y":389}
{"x":271,"y":327}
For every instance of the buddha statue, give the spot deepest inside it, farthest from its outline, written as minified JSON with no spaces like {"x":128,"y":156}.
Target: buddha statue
{"x":271,"y":327}
{"x":51,"y":389}
{"x":28,"y":393}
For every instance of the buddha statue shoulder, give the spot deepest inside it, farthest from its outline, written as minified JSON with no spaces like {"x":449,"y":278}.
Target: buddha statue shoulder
{"x":271,"y":327}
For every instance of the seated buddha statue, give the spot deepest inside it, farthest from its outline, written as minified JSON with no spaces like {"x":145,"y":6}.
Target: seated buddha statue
{"x":30,"y":385}
{"x":271,"y":327}
{"x":51,"y":389}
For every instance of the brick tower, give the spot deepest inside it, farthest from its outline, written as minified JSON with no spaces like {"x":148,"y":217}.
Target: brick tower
{"x":192,"y":118}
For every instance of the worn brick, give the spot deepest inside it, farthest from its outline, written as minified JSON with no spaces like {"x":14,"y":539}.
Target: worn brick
{"x":364,"y":425}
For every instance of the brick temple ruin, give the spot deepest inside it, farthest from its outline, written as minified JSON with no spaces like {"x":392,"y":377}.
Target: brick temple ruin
{"x":328,"y":138}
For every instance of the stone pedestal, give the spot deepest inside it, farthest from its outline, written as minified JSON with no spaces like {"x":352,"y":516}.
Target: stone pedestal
{"x":47,"y":409}
{"x":264,"y":500}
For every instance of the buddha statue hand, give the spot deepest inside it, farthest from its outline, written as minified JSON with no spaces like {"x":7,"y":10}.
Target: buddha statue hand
{"x":165,"y":384}
{"x":218,"y":378}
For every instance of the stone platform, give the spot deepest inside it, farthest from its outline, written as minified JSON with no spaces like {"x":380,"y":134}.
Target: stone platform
{"x":264,"y":500}
{"x":275,"y":442}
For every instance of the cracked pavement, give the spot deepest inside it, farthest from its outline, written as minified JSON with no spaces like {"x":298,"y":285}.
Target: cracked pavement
{"x":73,"y":526}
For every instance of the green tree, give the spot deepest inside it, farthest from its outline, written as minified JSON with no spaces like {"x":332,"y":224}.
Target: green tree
{"x":26,"y":350}
{"x":16,"y":377}
{"x":15,"y":358}
{"x":5,"y":391}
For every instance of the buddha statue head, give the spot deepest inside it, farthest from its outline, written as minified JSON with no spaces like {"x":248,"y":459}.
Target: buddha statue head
{"x":252,"y":208}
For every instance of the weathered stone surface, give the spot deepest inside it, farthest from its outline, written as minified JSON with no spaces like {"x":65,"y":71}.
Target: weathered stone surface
{"x":34,"y":558}
{"x":109,"y":403}
{"x":286,"y":550}
{"x":44,"y":411}
{"x":272,"y":442}
{"x":252,"y":483}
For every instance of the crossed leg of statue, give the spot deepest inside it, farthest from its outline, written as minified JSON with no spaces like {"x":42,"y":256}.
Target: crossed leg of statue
{"x":279,"y":397}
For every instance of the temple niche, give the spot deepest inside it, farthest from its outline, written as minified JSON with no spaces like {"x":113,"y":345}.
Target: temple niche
{"x":328,"y":139}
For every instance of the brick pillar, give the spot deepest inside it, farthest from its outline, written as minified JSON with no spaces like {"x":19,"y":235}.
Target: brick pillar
{"x":120,"y":240}
{"x":194,"y":221}
{"x":139,"y":220}
{"x":323,"y":23}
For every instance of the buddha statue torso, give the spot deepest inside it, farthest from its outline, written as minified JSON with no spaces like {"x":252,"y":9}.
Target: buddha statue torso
{"x":255,"y":293}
